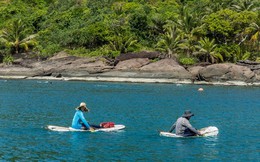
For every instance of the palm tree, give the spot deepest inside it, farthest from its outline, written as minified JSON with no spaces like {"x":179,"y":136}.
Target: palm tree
{"x":206,"y":49}
{"x":216,"y":5}
{"x":239,"y":54}
{"x":122,"y":43}
{"x":188,"y":24}
{"x":4,"y":1}
{"x":187,"y":21}
{"x":245,"y":5}
{"x":187,"y":44}
{"x":14,"y":37}
{"x":169,"y":42}
{"x":254,"y":29}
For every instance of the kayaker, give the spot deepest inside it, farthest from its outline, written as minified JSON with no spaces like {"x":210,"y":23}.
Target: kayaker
{"x":183,"y":127}
{"x":79,"y":121}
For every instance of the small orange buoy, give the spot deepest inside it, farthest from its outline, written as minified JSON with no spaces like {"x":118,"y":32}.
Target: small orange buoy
{"x":200,"y":89}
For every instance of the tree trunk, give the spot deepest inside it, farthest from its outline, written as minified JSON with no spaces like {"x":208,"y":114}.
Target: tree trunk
{"x":16,"y":49}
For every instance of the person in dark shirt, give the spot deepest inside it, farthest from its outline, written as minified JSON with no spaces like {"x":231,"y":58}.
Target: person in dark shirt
{"x":183,"y":127}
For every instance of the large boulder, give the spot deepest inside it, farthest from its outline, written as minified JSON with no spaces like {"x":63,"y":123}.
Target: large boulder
{"x":132,"y":64}
{"x":18,"y":71}
{"x":65,"y":65}
{"x":226,"y":72}
{"x":142,"y":54}
{"x":195,"y":70}
{"x":83,"y":67}
{"x":257,"y":75}
{"x":168,"y":66}
{"x":250,"y":64}
{"x":60,"y":55}
{"x":254,"y":66}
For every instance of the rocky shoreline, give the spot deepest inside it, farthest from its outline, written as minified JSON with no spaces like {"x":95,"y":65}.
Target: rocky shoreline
{"x":141,"y":70}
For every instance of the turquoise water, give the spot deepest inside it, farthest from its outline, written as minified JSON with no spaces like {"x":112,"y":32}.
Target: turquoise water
{"x":27,"y":106}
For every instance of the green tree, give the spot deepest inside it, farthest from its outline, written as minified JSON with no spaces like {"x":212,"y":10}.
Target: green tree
{"x":169,"y":42}
{"x":245,"y":5}
{"x":206,"y":50}
{"x":187,"y":44}
{"x":188,"y":24}
{"x":225,"y":25}
{"x":187,"y":21}
{"x":123,"y":44}
{"x":120,"y":37}
{"x":16,"y":36}
{"x":4,"y":1}
{"x":239,"y":54}
{"x":139,"y":24}
{"x":254,"y":31}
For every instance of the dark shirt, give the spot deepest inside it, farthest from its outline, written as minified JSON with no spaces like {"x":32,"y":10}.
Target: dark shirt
{"x":183,"y":128}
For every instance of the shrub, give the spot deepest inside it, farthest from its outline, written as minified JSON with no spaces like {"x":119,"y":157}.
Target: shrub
{"x":187,"y":61}
{"x":49,"y":50}
{"x":102,"y":51}
{"x":8,"y":59}
{"x":81,"y":52}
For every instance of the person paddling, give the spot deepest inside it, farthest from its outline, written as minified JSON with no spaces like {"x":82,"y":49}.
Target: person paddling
{"x":79,"y":121}
{"x":183,"y":127}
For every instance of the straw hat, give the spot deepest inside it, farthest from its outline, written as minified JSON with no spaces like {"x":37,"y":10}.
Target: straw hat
{"x":82,"y":104}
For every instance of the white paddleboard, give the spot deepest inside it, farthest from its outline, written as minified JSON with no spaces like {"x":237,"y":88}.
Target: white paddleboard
{"x":67,"y":129}
{"x":206,"y":132}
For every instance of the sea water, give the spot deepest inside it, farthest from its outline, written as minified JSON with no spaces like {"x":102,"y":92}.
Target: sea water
{"x":27,"y":106}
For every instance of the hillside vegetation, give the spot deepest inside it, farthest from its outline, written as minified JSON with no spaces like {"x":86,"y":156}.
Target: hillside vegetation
{"x":189,"y":31}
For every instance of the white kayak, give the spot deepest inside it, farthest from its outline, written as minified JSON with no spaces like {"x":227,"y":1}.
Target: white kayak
{"x":67,"y":129}
{"x":206,"y":132}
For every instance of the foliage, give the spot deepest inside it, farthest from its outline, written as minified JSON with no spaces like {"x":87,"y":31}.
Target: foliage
{"x":254,"y":34}
{"x":245,"y":5}
{"x":48,"y":51}
{"x":14,"y":36}
{"x":111,"y":27}
{"x":233,"y":53}
{"x":8,"y":59}
{"x":187,"y":61}
{"x":169,"y":42}
{"x":225,"y":25}
{"x":207,"y":51}
{"x":102,"y":51}
{"x":239,"y":54}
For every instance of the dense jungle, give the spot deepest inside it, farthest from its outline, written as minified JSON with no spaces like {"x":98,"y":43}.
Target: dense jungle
{"x":189,"y":31}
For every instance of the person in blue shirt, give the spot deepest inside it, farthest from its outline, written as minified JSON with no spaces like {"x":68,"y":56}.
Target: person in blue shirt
{"x":79,"y":121}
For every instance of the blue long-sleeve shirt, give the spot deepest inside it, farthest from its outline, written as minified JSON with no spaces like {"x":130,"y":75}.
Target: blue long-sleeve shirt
{"x":79,"y":120}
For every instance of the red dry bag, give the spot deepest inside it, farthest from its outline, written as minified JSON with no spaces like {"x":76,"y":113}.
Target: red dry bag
{"x":107,"y":124}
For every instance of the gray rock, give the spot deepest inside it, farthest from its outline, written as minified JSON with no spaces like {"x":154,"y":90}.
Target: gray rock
{"x":72,"y":66}
{"x":18,"y":71}
{"x":257,"y":75}
{"x":60,"y":55}
{"x":132,"y":64}
{"x":163,"y":65}
{"x":140,"y":74}
{"x":195,"y":70}
{"x":71,"y":73}
{"x":225,"y":72}
{"x":169,"y":67}
{"x":63,"y":65}
{"x":250,"y":64}
{"x":142,"y":54}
